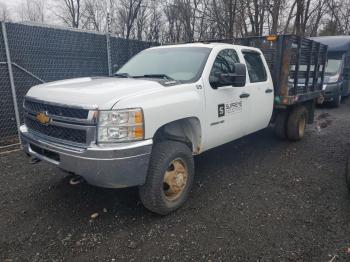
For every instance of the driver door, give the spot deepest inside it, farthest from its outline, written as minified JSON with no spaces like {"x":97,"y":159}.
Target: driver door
{"x":226,"y":106}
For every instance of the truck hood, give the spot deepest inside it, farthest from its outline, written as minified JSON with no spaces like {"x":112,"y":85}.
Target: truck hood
{"x":102,"y":92}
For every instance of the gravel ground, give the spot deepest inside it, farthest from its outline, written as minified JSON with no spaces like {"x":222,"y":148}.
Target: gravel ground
{"x":256,"y":199}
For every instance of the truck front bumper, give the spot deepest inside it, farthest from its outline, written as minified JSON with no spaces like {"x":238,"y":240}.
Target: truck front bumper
{"x":331,"y":92}
{"x":123,"y":165}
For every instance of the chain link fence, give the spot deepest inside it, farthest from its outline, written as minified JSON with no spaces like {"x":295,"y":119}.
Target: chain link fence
{"x":33,"y":54}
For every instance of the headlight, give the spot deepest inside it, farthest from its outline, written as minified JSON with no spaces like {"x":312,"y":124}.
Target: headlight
{"x":333,"y":79}
{"x":120,"y":126}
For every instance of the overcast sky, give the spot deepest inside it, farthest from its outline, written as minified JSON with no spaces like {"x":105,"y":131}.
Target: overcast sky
{"x":15,"y":6}
{"x":12,"y":4}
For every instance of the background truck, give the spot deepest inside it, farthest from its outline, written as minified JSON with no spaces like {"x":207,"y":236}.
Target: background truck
{"x":143,"y":126}
{"x":337,"y":74}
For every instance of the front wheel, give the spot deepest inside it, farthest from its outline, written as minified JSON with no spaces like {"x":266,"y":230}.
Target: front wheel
{"x":170,"y":177}
{"x":336,"y":100}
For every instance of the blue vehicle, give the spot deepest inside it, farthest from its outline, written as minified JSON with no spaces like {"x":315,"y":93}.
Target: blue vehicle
{"x":337,"y":73}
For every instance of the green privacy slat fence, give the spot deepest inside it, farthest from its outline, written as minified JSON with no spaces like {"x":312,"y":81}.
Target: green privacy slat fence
{"x":43,"y":53}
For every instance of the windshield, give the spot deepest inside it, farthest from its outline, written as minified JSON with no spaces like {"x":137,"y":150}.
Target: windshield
{"x":333,"y":67}
{"x":177,"y":63}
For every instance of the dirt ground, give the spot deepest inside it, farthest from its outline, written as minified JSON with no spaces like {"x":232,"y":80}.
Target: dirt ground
{"x":256,"y":199}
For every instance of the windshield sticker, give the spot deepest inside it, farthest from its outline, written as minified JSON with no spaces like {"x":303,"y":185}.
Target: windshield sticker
{"x":229,"y":108}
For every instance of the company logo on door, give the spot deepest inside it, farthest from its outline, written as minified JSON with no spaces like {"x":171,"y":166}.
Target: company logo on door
{"x":229,"y":108}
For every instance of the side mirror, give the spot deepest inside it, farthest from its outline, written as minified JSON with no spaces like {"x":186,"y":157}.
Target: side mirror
{"x":237,"y":78}
{"x":240,"y":74}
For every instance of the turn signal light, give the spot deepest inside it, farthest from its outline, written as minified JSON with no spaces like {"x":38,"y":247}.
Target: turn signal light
{"x":138,"y":119}
{"x":138,"y":132}
{"x":272,"y":38}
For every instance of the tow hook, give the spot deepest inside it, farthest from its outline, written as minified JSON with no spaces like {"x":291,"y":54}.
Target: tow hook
{"x":75,"y":180}
{"x":34,"y":161}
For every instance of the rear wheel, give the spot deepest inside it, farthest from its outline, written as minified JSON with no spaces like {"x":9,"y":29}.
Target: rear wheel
{"x":297,"y":123}
{"x":281,"y":124}
{"x":170,"y":177}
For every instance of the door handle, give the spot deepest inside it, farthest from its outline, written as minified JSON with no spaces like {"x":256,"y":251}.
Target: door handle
{"x":267,"y":91}
{"x":244,"y":95}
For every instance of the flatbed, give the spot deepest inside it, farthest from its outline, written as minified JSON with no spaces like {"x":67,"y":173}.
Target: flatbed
{"x":297,"y":66}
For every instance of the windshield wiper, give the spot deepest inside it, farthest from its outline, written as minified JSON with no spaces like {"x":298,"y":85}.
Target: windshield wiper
{"x":123,"y":75}
{"x":164,"y":76}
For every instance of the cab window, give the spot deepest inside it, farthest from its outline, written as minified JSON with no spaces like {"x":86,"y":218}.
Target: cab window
{"x":255,"y":66}
{"x":224,"y":62}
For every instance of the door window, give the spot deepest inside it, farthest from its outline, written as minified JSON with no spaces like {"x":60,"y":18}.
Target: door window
{"x":255,"y":66}
{"x":224,"y":62}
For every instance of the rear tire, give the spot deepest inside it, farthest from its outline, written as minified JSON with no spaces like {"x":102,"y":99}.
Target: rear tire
{"x":281,"y":124}
{"x":170,"y":177}
{"x":296,"y":123}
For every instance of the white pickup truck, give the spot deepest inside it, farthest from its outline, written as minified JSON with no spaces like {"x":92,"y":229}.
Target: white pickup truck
{"x":142,"y":126}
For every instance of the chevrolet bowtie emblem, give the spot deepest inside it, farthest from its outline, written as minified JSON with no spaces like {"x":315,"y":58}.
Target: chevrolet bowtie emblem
{"x":43,"y":118}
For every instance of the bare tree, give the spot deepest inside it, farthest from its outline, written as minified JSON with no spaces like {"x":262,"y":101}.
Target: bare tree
{"x":69,"y":12}
{"x":95,"y":15}
{"x":218,"y":18}
{"x":340,"y":15}
{"x":256,"y":10}
{"x":315,"y":20}
{"x":185,"y":11}
{"x":189,"y":20}
{"x":127,"y":12}
{"x":275,"y":11}
{"x":4,"y":12}
{"x":291,"y":15}
{"x":155,"y":22}
{"x":32,"y":10}
{"x":171,"y":12}
{"x":142,"y":21}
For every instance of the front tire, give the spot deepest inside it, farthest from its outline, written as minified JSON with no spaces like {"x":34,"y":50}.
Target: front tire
{"x":170,"y":177}
{"x":336,"y":100}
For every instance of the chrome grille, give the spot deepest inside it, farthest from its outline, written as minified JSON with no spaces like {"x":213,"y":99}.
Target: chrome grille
{"x":68,"y":125}
{"x":55,"y":110}
{"x":59,"y":132}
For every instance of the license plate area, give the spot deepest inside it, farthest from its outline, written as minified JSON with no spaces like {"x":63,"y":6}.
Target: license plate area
{"x":46,"y":153}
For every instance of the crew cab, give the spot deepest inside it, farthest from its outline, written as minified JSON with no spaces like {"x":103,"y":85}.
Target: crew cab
{"x":143,"y":126}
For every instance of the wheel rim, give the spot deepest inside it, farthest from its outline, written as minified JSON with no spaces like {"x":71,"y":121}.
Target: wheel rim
{"x":302,"y":124}
{"x":175,"y":180}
